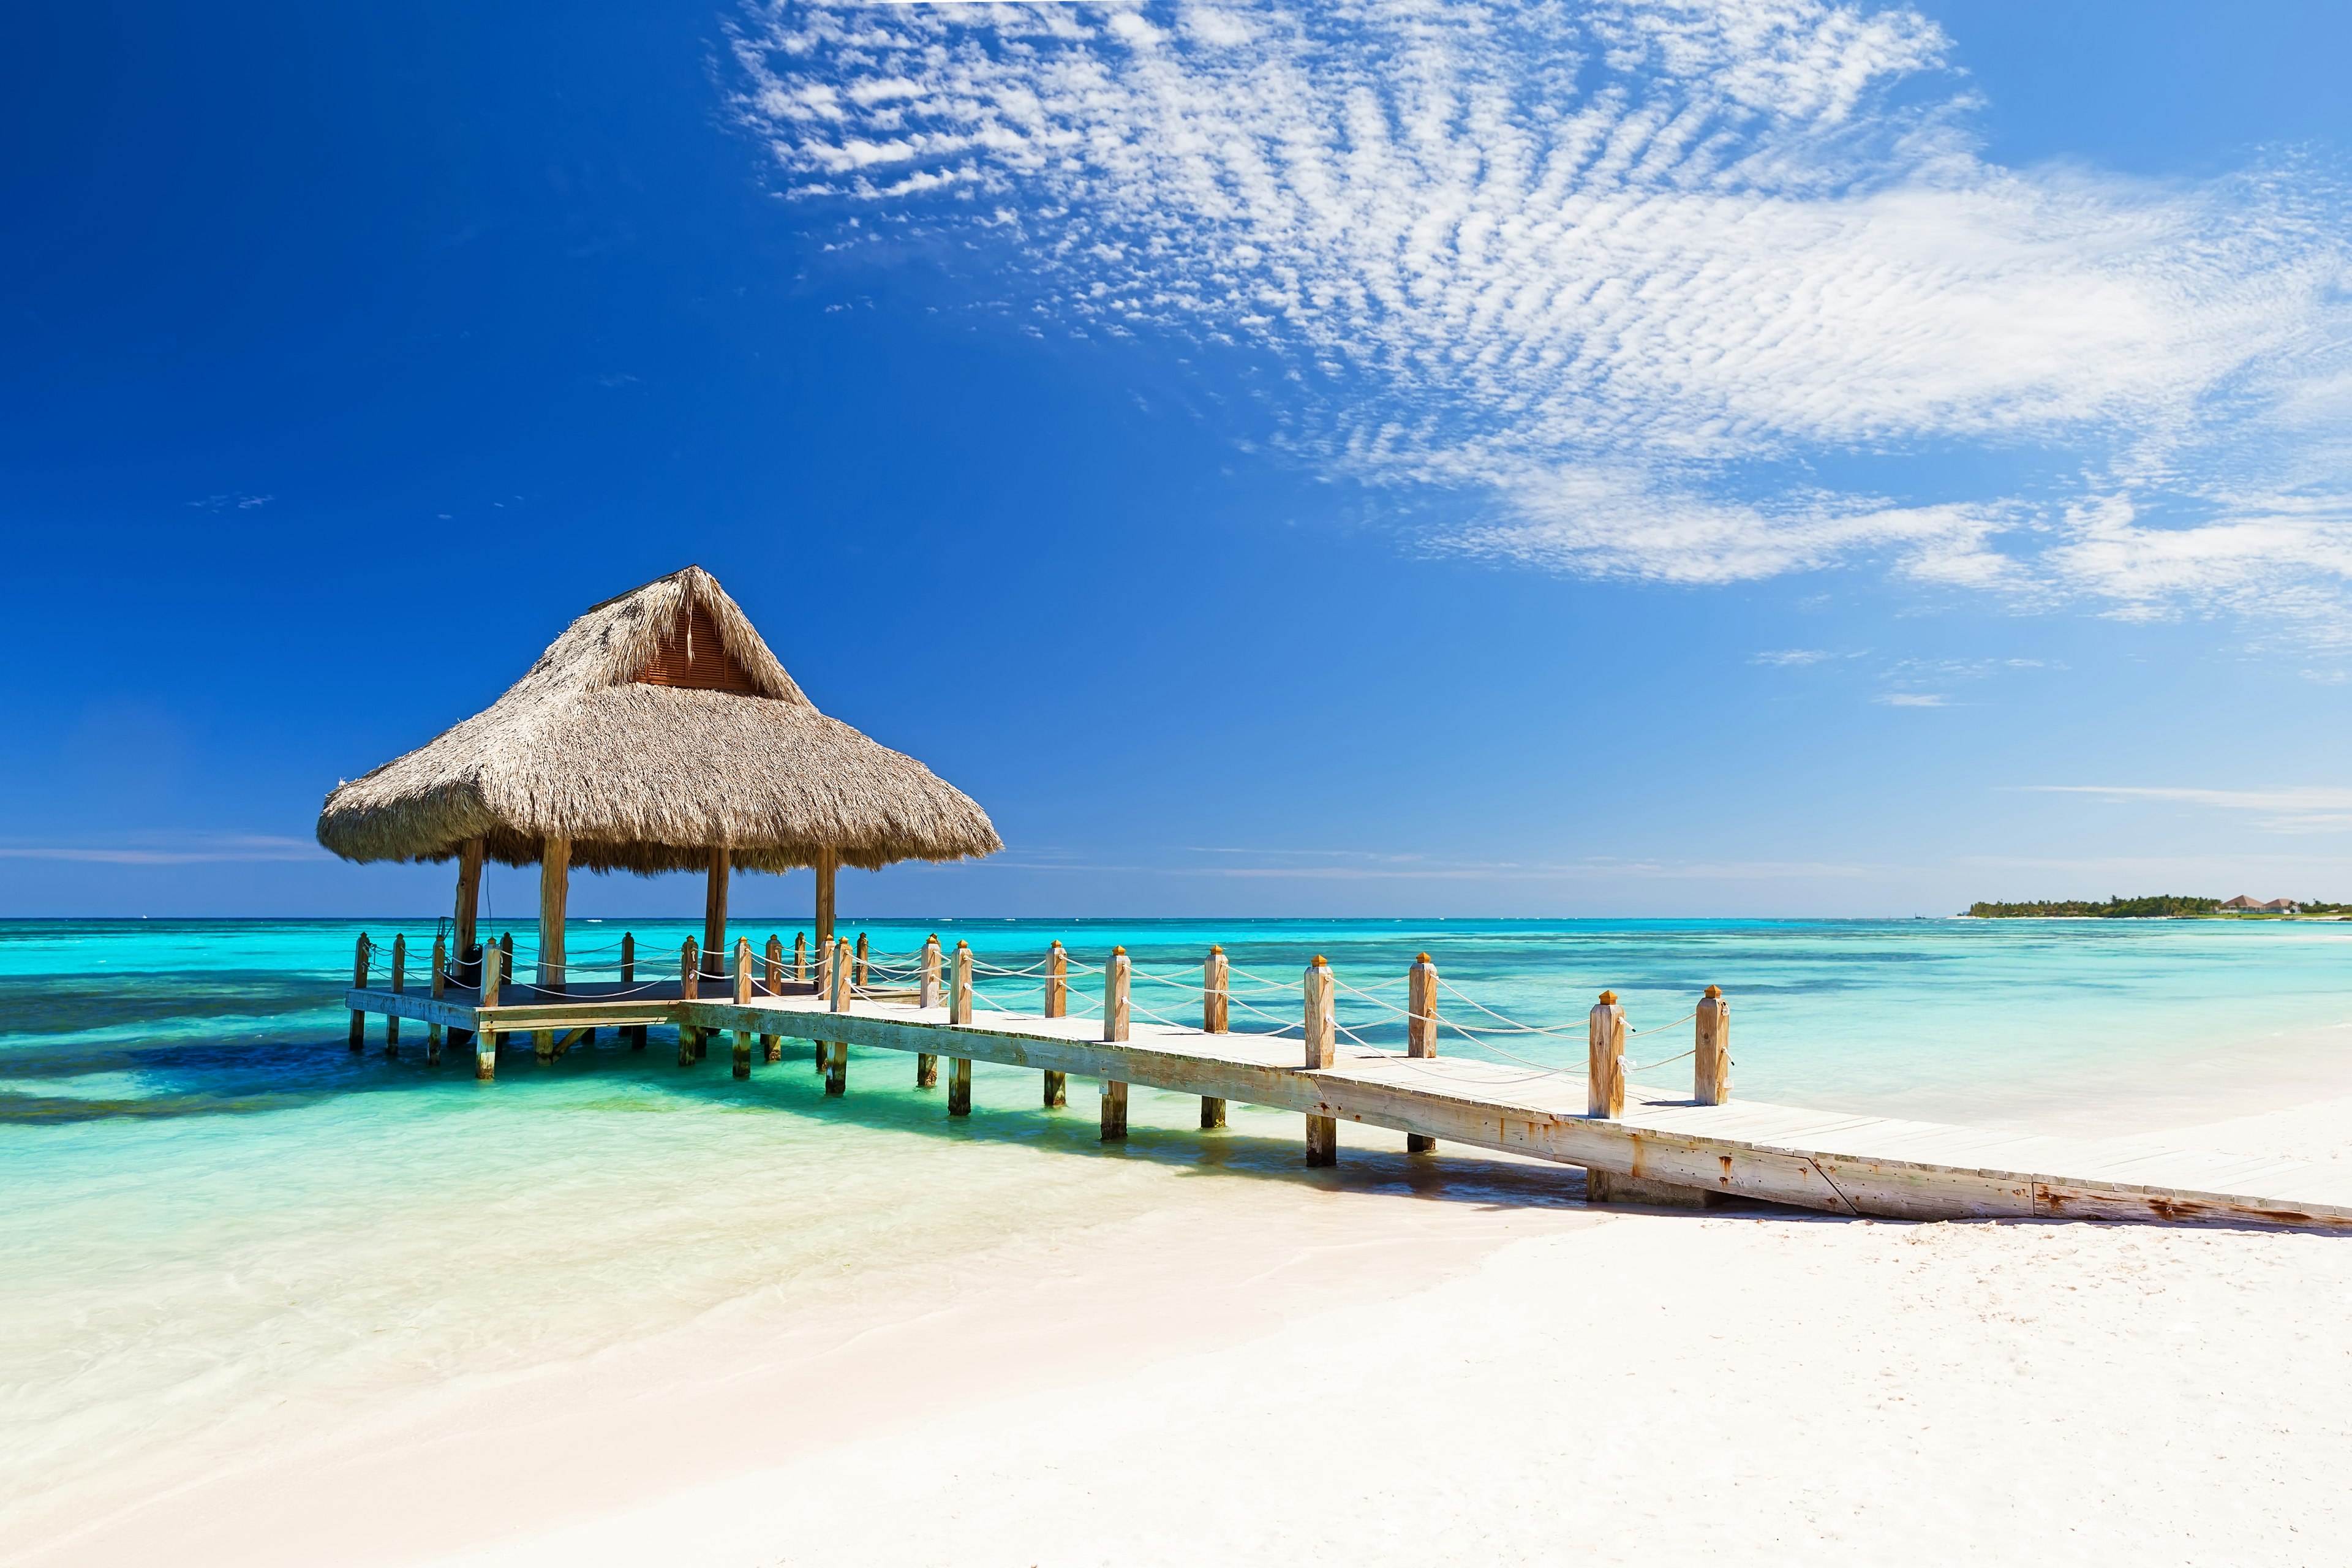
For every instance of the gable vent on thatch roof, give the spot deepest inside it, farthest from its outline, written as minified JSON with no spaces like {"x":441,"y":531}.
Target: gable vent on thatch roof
{"x":691,"y":654}
{"x":656,"y":728}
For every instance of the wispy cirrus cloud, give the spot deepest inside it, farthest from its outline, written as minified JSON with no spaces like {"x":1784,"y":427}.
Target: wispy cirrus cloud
{"x":168,"y":849}
{"x":2289,"y":808}
{"x":1626,"y":270}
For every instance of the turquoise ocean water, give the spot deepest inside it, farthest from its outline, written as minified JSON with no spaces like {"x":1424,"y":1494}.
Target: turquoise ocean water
{"x":214,"y":1209}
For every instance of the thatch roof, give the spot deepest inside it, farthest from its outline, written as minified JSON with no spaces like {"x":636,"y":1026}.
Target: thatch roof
{"x":656,"y":729}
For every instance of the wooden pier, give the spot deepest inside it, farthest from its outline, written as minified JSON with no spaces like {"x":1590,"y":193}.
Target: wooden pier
{"x":1636,"y":1143}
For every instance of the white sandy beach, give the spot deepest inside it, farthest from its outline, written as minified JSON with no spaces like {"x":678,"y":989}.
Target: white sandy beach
{"x":1346,"y":1369}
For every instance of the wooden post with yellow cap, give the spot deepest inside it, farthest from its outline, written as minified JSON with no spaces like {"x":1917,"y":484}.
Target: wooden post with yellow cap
{"x":743,"y":999}
{"x":1711,"y":1063}
{"x":1605,"y":1029}
{"x":1421,"y":1030}
{"x":771,"y":1046}
{"x":485,"y":1041}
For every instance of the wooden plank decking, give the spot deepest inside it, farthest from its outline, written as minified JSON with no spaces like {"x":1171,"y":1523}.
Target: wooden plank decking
{"x":1664,"y":1147}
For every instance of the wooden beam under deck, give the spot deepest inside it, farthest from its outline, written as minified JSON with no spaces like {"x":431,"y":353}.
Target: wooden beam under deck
{"x":1668,"y":1146}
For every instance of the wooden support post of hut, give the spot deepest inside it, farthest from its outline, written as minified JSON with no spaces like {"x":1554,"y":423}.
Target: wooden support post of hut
{"x":554,"y":893}
{"x":572,"y":769}
{"x":506,"y":968}
{"x":1117,"y":973}
{"x":1322,"y":1023}
{"x":554,"y":883}
{"x":466,"y":955}
{"x":635,"y":1033}
{"x":485,"y":1041}
{"x":440,"y":984}
{"x":828,"y":868}
{"x":959,"y":1012}
{"x":714,"y":911}
{"x":399,"y":986}
{"x":1421,"y":1030}
{"x":1058,"y":1006}
{"x":689,"y":986}
{"x":1711,"y":1062}
{"x":358,"y":983}
{"x":927,"y":995}
{"x":469,"y":898}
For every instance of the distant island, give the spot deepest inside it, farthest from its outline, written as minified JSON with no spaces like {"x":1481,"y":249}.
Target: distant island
{"x":2159,"y":906}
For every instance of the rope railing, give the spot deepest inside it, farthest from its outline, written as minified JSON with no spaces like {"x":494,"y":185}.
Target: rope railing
{"x":1268,"y":1008}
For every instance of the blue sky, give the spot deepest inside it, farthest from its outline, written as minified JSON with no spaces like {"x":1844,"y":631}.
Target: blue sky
{"x":1701,"y":459}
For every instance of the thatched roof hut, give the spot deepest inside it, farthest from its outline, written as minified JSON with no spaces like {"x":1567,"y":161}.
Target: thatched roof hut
{"x":658,"y":733}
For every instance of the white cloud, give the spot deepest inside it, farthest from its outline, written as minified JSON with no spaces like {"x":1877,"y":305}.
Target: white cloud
{"x":1624,"y":268}
{"x":1912,"y":699}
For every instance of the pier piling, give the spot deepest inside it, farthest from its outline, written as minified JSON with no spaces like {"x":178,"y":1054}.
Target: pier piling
{"x":1321,"y":1031}
{"x":1118,"y":974}
{"x":959,"y":1012}
{"x":399,"y":987}
{"x":358,"y":983}
{"x":1057,"y":1086}
{"x":485,"y":1041}
{"x":1216,"y":996}
{"x":771,"y":1046}
{"x":633,"y":1033}
{"x":440,"y":985}
{"x":927,"y":995}
{"x":1711,"y":1059}
{"x":1421,"y":1030}
{"x":1605,"y":1064}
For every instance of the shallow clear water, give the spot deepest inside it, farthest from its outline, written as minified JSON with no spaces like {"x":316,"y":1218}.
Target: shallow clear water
{"x":214,"y":1208}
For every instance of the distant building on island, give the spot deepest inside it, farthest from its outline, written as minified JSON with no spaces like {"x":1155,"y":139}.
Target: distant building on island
{"x":2275,"y":906}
